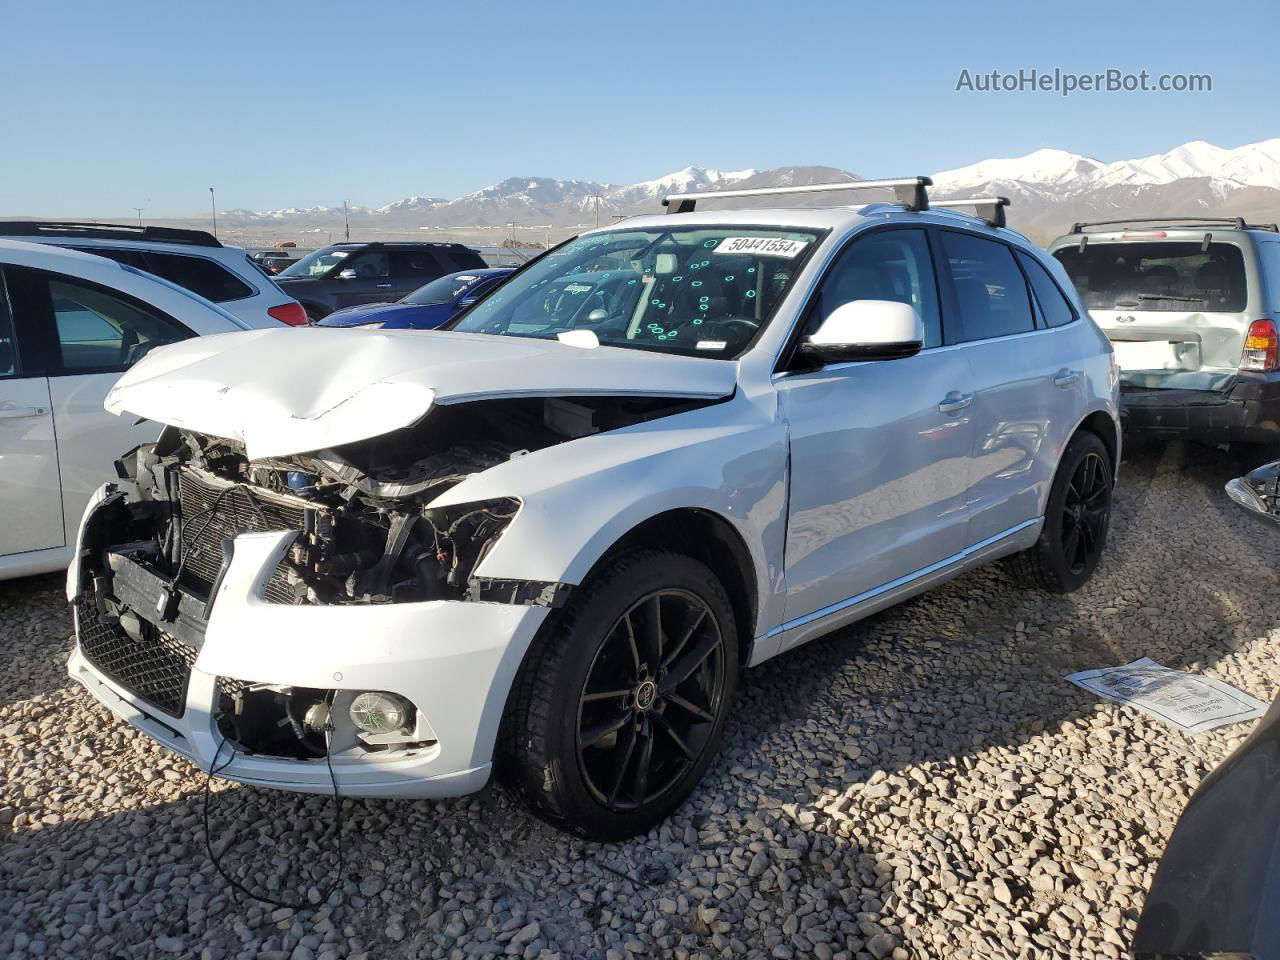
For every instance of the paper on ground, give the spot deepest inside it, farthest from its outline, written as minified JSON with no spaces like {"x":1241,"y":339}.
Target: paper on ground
{"x":1190,"y":702}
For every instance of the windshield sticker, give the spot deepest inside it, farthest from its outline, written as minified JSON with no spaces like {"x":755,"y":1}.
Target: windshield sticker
{"x":577,"y":288}
{"x":763,"y":246}
{"x":712,"y":344}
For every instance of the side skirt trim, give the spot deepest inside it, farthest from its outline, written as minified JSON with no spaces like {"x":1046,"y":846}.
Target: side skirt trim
{"x":874,"y":592}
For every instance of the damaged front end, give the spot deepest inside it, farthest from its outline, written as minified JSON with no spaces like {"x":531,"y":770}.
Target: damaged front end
{"x":363,"y":532}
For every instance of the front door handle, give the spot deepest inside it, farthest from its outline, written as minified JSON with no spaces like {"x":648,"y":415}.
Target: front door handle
{"x":1065,"y":378}
{"x":955,"y":401}
{"x":384,"y":286}
{"x":21,"y":413}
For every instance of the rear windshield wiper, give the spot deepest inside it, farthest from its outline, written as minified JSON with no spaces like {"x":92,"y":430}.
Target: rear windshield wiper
{"x":1158,"y":296}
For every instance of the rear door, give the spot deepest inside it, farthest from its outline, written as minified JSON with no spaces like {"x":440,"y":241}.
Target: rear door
{"x":410,"y":269}
{"x":1028,"y":386}
{"x":30,"y":499}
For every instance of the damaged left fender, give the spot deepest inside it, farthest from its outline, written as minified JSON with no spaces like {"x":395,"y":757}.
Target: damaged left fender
{"x":578,"y":500}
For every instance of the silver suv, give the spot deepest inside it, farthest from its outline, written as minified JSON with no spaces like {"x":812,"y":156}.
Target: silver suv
{"x":1190,"y":308}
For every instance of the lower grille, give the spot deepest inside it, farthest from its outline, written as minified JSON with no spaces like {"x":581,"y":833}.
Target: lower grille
{"x":214,"y":511}
{"x":156,"y":669}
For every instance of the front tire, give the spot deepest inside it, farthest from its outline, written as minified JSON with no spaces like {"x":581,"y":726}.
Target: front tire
{"x":618,"y":711}
{"x":1076,"y":520}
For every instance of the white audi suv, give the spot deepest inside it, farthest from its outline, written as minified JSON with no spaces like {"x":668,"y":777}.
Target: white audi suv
{"x":546,"y":539}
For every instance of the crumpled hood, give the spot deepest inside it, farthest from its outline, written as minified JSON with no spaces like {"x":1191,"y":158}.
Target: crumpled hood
{"x":288,"y":391}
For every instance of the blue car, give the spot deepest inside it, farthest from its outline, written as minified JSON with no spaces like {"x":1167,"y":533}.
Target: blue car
{"x":426,"y":308}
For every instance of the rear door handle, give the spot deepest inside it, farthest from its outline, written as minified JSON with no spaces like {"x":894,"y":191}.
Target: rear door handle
{"x":1066,"y":378}
{"x":384,"y":286}
{"x":955,"y":401}
{"x":20,"y":413}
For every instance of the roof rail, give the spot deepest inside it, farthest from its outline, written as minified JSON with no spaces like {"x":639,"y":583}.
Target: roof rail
{"x":910,"y":192}
{"x":105,"y":231}
{"x":990,"y":209}
{"x":1232,"y":223}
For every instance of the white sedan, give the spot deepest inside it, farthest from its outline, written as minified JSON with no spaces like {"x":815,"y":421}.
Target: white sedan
{"x":70,"y":324}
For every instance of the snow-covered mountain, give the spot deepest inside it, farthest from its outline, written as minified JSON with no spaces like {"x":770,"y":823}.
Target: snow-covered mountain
{"x":1049,"y":188}
{"x":1253,"y":165}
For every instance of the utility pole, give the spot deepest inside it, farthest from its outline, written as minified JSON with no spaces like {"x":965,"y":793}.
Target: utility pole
{"x":346,"y":218}
{"x":213,"y":204}
{"x":139,"y":209}
{"x":597,"y":196}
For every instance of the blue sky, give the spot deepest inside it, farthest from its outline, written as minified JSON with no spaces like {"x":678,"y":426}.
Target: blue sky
{"x":114,"y":105}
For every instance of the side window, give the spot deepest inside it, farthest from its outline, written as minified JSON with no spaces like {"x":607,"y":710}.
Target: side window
{"x":8,"y":342}
{"x":990,"y":288}
{"x":101,"y":332}
{"x":204,"y":277}
{"x":415,"y":264}
{"x":887,"y":265}
{"x":130,"y":257}
{"x":1054,"y":307}
{"x":368,"y":266}
{"x":1269,"y":255}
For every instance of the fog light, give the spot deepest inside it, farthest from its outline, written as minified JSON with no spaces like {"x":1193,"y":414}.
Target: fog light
{"x":373,"y":712}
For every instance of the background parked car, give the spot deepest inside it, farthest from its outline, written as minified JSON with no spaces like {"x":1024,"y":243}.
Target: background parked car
{"x":70,"y":324}
{"x":349,"y":274}
{"x":427,"y":307}
{"x":190,"y":258}
{"x":1190,"y":308}
{"x":273,"y":261}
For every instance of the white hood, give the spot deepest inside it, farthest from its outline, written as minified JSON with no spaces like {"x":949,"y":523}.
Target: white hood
{"x":288,"y":391}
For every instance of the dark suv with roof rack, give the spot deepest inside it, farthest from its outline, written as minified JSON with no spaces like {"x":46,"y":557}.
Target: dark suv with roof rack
{"x":349,"y":274}
{"x":1191,"y":306}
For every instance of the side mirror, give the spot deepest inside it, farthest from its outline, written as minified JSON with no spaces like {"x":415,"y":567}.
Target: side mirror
{"x":866,"y":330}
{"x":597,"y":315}
{"x":347,"y":274}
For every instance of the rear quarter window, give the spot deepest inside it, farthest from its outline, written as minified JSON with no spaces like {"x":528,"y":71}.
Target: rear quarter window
{"x":205,"y":277}
{"x":1053,"y":304}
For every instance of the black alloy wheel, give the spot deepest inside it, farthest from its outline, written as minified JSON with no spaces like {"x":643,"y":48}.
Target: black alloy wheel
{"x":651,"y":699}
{"x":1084,"y":513}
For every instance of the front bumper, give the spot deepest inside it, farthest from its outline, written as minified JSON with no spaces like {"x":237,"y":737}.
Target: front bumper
{"x":455,"y":660}
{"x":1247,"y":413}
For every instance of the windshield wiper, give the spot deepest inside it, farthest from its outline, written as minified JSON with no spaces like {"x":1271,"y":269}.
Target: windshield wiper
{"x":1158,"y":296}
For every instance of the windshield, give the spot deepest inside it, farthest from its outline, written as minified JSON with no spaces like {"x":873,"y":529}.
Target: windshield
{"x":1159,"y":276}
{"x":316,"y":263}
{"x":699,"y":291}
{"x":444,"y":290}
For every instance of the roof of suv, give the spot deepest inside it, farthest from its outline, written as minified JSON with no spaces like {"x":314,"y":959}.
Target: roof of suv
{"x":78,"y":230}
{"x":839,"y":218}
{"x":397,"y":244}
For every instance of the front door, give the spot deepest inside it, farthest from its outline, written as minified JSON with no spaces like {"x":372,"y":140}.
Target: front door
{"x":879,"y":450}
{"x":364,"y":278}
{"x":30,"y":498}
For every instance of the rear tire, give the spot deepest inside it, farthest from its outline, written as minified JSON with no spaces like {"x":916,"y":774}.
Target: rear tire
{"x":620,"y":707}
{"x":1076,"y":519}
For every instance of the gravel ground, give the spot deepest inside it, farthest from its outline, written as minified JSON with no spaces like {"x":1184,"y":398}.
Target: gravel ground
{"x":924,"y":784}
